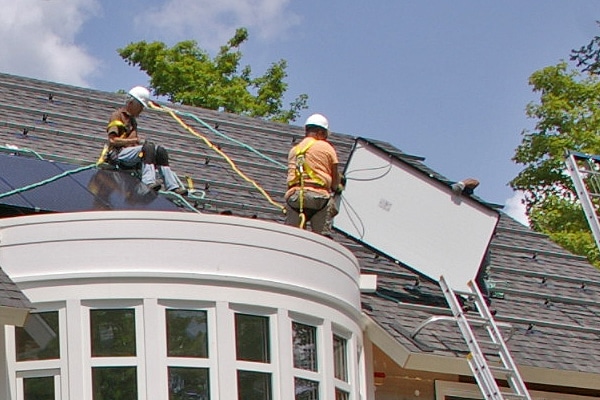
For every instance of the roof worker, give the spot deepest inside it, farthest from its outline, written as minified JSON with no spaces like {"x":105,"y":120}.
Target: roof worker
{"x":313,"y":179}
{"x":127,"y":149}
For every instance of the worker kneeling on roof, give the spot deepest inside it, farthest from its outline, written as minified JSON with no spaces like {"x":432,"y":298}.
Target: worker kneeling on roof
{"x":313,"y":179}
{"x":127,"y":149}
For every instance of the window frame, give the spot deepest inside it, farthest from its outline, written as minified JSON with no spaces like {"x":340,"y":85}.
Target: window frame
{"x":322,"y":351}
{"x":351,"y":360}
{"x":137,"y":361}
{"x":38,"y":373}
{"x":273,"y":366}
{"x":56,"y":367}
{"x":210,"y":362}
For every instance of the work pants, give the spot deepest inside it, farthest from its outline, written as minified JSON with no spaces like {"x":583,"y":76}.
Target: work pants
{"x":130,"y":157}
{"x":319,"y":210}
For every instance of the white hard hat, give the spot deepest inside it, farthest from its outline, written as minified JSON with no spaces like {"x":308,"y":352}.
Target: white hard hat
{"x":317,"y":120}
{"x":141,"y":94}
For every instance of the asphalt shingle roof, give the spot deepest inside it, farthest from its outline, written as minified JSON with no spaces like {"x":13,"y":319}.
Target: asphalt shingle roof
{"x":551,"y":297}
{"x":10,"y":295}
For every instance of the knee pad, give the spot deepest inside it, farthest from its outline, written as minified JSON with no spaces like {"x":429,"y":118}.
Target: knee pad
{"x":148,"y":153}
{"x":162,"y":157}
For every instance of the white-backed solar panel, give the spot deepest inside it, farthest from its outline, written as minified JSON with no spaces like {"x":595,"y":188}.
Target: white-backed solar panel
{"x":414,"y":218}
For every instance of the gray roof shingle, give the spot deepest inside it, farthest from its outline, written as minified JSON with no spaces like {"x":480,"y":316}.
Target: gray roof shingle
{"x":550,"y":296}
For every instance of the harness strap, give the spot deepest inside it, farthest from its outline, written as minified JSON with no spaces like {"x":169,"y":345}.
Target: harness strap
{"x":118,"y":124}
{"x":106,"y":149}
{"x":302,"y":168}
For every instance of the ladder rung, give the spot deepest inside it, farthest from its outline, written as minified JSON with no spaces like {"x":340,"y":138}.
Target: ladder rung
{"x":512,"y":396}
{"x":465,"y":294}
{"x":489,"y":345}
{"x":478,"y":321}
{"x":502,"y":370}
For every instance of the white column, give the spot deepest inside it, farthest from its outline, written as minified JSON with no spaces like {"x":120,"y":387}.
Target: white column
{"x":154,"y":337}
{"x":4,"y":379}
{"x":226,"y":371}
{"x":78,"y":375}
{"x":284,"y":350}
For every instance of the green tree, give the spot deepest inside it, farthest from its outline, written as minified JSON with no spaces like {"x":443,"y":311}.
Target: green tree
{"x":188,"y":75}
{"x":588,"y":57}
{"x":567,"y":118}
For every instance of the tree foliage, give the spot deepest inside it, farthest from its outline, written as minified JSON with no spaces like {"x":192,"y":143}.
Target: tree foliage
{"x":188,"y":75}
{"x":567,"y":118}
{"x":588,"y":57}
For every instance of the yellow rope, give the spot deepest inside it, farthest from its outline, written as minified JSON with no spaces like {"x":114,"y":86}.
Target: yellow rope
{"x":225,"y":156}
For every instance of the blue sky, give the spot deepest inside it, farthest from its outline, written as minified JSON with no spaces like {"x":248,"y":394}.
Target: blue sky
{"x":446,"y":80}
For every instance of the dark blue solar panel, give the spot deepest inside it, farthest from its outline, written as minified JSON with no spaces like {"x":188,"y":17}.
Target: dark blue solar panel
{"x":87,"y":190}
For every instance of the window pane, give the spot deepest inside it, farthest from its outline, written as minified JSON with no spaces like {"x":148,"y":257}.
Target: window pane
{"x":186,"y":333}
{"x":113,"y":332}
{"x":305,"y":389}
{"x":340,"y":361}
{"x":38,"y":388}
{"x":305,"y":346}
{"x":114,"y":383}
{"x":252,"y":338}
{"x":188,"y":384}
{"x":341,"y":395}
{"x":253,"y":385}
{"x":39,"y":338}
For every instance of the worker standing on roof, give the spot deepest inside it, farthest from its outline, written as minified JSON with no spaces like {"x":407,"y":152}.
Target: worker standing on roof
{"x":126,"y":149}
{"x":313,"y":178}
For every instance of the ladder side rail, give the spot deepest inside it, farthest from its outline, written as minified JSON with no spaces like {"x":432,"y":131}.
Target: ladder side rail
{"x":584,"y":197}
{"x":486,"y":381}
{"x":515,"y":380}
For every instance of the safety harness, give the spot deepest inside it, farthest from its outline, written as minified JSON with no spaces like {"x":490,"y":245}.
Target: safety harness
{"x":124,"y":132}
{"x":302,"y":170}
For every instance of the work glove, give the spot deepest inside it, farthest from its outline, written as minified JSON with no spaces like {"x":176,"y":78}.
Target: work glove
{"x":341,"y":186}
{"x":465,"y":186}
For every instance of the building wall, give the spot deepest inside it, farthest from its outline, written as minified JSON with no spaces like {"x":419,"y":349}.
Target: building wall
{"x":174,"y":302}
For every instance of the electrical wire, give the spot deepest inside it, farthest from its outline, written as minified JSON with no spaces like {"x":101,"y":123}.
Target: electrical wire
{"x":349,"y":177}
{"x":218,"y":151}
{"x":217,"y":132}
{"x":182,"y":199}
{"x":14,"y":149}
{"x":348,"y":207}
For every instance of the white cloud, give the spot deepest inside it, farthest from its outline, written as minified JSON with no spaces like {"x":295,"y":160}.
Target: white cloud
{"x":516,"y":209}
{"x":38,"y":39}
{"x":212,"y":23}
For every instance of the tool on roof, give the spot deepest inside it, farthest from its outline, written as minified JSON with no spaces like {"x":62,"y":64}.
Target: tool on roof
{"x":584,"y":170}
{"x":489,"y":357}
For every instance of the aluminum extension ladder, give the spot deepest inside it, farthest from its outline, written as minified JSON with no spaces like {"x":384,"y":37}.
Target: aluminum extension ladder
{"x":584,"y":170}
{"x":489,"y":357}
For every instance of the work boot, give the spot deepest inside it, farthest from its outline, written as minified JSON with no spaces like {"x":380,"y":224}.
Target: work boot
{"x":180,"y":191}
{"x":155,"y":186}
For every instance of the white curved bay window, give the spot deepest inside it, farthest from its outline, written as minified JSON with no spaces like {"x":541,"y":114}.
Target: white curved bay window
{"x":228,"y":308}
{"x":129,"y":342}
